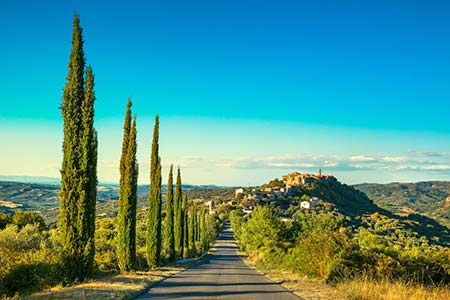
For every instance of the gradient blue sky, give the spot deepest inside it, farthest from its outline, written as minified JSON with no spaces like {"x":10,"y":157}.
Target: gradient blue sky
{"x":246,"y":90}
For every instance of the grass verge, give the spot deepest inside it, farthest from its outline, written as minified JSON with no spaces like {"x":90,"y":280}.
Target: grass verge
{"x":363,"y":289}
{"x":359,"y":289}
{"x":121,"y":286}
{"x":308,"y":289}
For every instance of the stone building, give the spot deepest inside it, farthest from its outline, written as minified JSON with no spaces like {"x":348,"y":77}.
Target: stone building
{"x":298,"y":179}
{"x":238,"y":191}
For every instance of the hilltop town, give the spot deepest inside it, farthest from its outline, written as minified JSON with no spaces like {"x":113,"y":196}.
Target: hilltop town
{"x":296,"y":179}
{"x":277,"y":191}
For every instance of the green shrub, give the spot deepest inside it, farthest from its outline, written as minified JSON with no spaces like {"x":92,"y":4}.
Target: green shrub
{"x":316,"y":243}
{"x":319,"y":253}
{"x":262,"y":230}
{"x":24,"y":217}
{"x":29,"y":258}
{"x":236,"y":221}
{"x":105,"y":248}
{"x":5,"y":219}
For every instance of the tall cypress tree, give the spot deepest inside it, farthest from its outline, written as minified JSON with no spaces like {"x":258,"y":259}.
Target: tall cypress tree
{"x":86,"y":213}
{"x":185,"y":228}
{"x":191,"y":233}
{"x":203,"y":230}
{"x":154,"y":203}
{"x":178,"y":217}
{"x":124,"y":193}
{"x":132,"y":163}
{"x":169,"y":239}
{"x":76,"y":221}
{"x":207,"y":234}
{"x":126,"y":235}
{"x":197,"y":226}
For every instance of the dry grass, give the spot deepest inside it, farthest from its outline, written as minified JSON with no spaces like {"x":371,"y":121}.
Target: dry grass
{"x":363,"y":289}
{"x":308,"y":289}
{"x":9,"y":204}
{"x":121,"y":286}
{"x":384,"y":290}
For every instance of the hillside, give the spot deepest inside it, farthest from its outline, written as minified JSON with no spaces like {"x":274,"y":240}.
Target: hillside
{"x":333,"y":194}
{"x":313,"y":226}
{"x":357,"y":209}
{"x":344,"y":198}
{"x":430,"y":199}
{"x":45,"y":197}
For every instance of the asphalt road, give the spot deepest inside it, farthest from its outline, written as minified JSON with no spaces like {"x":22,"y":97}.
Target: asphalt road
{"x":222,"y":276}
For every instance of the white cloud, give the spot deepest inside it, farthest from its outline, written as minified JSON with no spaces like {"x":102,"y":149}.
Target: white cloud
{"x":361,"y":158}
{"x":429,"y":153}
{"x":412,"y":161}
{"x":395,"y":158}
{"x":437,"y":167}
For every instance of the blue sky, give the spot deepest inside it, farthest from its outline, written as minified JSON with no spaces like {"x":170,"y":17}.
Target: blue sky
{"x":246,"y":90}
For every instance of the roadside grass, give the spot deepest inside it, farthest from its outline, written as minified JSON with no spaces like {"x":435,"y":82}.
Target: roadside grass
{"x":306,"y":288}
{"x":121,"y":286}
{"x":358,"y":289}
{"x":365,"y":289}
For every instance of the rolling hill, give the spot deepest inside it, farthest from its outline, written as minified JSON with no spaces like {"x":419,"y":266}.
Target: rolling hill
{"x":360,"y":211}
{"x":45,"y":197}
{"x":431,"y":199}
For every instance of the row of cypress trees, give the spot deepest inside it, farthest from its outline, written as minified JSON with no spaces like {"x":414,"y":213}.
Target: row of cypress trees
{"x":182,"y":230}
{"x":180,"y":233}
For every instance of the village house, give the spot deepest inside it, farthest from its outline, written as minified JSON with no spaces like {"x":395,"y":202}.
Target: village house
{"x":247,"y":211}
{"x":249,"y":206}
{"x":311,"y":204}
{"x":211,"y":205}
{"x":238,"y":191}
{"x":198,"y":201}
{"x":250,"y":197}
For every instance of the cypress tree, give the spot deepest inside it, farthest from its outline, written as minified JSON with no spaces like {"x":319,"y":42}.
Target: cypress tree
{"x":154,"y":203}
{"x":203,"y":230}
{"x":124,"y":193}
{"x":86,"y":213}
{"x":178,"y":217}
{"x":197,"y":226}
{"x":191,"y":233}
{"x":76,"y":221}
{"x":133,"y":164}
{"x":185,"y":228}
{"x":169,"y":240}
{"x":207,"y":235}
{"x":126,"y":236}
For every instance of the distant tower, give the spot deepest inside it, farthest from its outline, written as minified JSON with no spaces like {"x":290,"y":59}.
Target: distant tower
{"x":319,"y":173}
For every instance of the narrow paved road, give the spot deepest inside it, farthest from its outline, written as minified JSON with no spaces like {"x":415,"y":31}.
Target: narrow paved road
{"x":222,"y":276}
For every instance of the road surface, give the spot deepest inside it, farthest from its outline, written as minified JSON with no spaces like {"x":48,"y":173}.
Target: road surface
{"x":222,"y":276}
